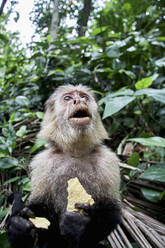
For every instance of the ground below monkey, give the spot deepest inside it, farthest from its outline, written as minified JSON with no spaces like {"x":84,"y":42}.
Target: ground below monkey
{"x":75,"y":134}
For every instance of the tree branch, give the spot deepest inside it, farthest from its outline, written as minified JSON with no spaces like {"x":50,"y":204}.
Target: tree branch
{"x":2,"y":6}
{"x":83,"y":17}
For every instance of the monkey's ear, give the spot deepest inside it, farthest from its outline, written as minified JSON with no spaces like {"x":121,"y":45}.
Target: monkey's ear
{"x":49,"y":103}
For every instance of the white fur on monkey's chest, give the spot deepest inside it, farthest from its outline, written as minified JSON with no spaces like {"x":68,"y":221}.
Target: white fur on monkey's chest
{"x":97,"y":176}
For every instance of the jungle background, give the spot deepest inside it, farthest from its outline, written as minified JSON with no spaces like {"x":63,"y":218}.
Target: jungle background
{"x":115,"y":47}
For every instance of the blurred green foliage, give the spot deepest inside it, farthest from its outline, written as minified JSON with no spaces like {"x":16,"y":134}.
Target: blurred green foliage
{"x":121,"y":58}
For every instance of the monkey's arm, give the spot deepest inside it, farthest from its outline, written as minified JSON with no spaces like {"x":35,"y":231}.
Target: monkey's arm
{"x":104,"y":217}
{"x":83,"y":230}
{"x":21,"y":232}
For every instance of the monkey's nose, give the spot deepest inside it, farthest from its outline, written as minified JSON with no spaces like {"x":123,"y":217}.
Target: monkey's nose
{"x":76,"y":101}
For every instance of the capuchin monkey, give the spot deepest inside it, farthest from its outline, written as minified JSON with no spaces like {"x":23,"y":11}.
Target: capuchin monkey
{"x":74,"y":131}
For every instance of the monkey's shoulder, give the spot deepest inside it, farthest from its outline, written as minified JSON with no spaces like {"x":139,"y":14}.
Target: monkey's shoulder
{"x":105,"y":154}
{"x":49,"y":158}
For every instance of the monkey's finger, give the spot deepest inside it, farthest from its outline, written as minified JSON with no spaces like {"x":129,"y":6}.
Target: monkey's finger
{"x":20,"y":223}
{"x":26,"y":212}
{"x":85,"y":206}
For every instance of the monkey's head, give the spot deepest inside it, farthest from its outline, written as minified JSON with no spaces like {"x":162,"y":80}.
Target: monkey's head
{"x":72,"y":117}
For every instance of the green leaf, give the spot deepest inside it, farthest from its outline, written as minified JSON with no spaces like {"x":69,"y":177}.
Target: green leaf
{"x":38,"y":144}
{"x":113,"y":51}
{"x":22,"y":100}
{"x":145,"y":82}
{"x":21,"y":132}
{"x":134,"y":159}
{"x":154,"y":173}
{"x":11,"y":180}
{"x":12,"y":117}
{"x":4,"y":243}
{"x":3,"y":38}
{"x":109,"y":96}
{"x":128,"y":73}
{"x":40,"y":115}
{"x":158,"y":95}
{"x":8,"y":162}
{"x":98,"y":30}
{"x":27,"y":186}
{"x":151,"y":195}
{"x":114,"y":105}
{"x":161,"y":38}
{"x":126,"y":92}
{"x":153,"y":141}
{"x":160,"y":62}
{"x":98,"y":92}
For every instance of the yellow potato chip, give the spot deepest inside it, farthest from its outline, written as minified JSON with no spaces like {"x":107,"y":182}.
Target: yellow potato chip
{"x":40,"y":222}
{"x":76,"y":193}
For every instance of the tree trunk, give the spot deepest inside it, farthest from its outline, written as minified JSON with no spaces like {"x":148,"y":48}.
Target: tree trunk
{"x":83,"y":17}
{"x":55,"y":20}
{"x":2,"y":6}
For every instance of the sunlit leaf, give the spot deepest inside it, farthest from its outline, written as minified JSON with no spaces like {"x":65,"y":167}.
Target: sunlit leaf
{"x":145,"y":82}
{"x":21,"y":132}
{"x":152,"y":141}
{"x":27,"y":186}
{"x":40,"y":115}
{"x":98,"y":30}
{"x":161,"y":38}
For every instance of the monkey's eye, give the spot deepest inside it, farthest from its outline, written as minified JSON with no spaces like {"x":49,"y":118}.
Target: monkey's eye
{"x":68,"y":98}
{"x":84,"y":96}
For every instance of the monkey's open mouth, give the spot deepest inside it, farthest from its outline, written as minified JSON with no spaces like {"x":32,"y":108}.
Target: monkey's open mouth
{"x":80,"y":114}
{"x":80,"y":117}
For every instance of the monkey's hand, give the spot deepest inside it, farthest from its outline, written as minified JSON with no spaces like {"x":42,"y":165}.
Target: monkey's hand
{"x":21,"y":232}
{"x":73,"y":226}
{"x":84,"y":208}
{"x":104,"y":217}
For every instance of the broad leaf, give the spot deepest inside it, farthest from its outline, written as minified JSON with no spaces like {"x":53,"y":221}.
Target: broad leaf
{"x":108,"y":97}
{"x":151,"y":195}
{"x":154,"y":173}
{"x":22,"y":100}
{"x":158,"y":95}
{"x":160,"y":62}
{"x":153,"y":141}
{"x":113,"y":51}
{"x":8,"y":162}
{"x":145,"y":82}
{"x":113,"y":105}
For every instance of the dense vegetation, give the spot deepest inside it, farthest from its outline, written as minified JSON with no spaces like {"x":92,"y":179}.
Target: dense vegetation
{"x":119,"y":52}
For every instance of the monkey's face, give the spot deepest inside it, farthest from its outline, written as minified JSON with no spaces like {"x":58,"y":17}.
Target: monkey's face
{"x":78,"y":108}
